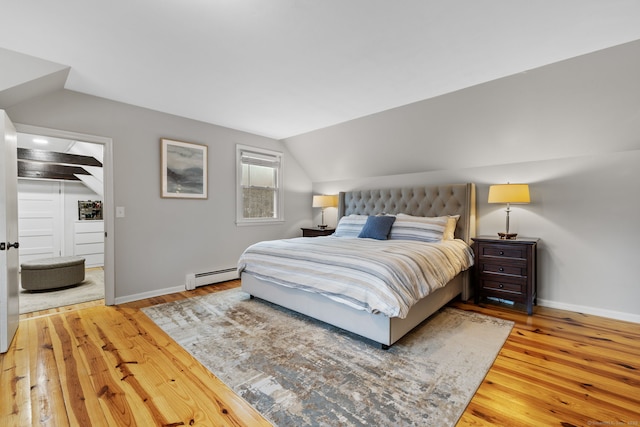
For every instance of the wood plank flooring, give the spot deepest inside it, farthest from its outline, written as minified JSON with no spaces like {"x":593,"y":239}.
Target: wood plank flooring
{"x":560,"y":368}
{"x":111,"y":366}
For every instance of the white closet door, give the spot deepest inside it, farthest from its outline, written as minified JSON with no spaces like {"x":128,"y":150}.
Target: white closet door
{"x":9,"y":239}
{"x":40,"y":219}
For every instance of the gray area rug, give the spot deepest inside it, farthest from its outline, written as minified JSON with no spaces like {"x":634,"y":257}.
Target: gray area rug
{"x":91,"y":289}
{"x":299,"y":372}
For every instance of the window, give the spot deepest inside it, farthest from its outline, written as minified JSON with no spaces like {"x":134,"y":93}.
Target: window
{"x":259,"y":192}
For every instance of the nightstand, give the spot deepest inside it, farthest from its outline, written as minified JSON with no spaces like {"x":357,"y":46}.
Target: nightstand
{"x":506,"y":269}
{"x":315,"y":232}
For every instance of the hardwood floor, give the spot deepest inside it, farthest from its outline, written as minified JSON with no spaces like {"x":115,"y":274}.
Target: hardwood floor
{"x":95,"y":365}
{"x":560,"y":368}
{"x":111,"y":366}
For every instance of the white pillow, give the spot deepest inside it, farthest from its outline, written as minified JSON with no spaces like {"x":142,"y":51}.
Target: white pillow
{"x":421,"y":228}
{"x":350,"y":226}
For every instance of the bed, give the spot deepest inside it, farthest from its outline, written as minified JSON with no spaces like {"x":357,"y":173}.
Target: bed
{"x":420,"y":201}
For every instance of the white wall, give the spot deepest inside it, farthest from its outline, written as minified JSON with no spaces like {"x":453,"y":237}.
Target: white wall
{"x":48,"y":211}
{"x":160,"y":240}
{"x":73,"y":192}
{"x":40,"y":219}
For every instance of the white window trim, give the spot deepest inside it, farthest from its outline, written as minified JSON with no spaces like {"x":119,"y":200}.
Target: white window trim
{"x":240,"y":220}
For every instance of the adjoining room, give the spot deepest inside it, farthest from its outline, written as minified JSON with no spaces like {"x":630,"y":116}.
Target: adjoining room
{"x":60,"y":205}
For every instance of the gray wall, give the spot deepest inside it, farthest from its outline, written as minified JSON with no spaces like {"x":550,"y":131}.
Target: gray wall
{"x":584,"y":211}
{"x":160,"y":240}
{"x":571,"y":130}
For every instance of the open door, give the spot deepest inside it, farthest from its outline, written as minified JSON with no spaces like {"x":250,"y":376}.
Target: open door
{"x":9,"y":292}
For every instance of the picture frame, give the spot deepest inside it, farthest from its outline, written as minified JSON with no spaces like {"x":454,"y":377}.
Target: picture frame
{"x":183,"y":169}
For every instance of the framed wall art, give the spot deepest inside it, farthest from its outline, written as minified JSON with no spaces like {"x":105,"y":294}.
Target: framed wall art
{"x":184,"y":170}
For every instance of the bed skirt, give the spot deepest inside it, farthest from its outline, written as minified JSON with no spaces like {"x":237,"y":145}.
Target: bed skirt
{"x":377,"y":327}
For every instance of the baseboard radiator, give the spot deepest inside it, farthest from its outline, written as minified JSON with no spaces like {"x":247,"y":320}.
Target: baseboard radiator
{"x":194,"y":280}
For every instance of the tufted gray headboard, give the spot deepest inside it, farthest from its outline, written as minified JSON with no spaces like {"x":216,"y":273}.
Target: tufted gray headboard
{"x":434,"y":200}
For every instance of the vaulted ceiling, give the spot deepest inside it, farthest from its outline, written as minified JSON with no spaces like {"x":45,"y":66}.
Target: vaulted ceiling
{"x":281,"y":68}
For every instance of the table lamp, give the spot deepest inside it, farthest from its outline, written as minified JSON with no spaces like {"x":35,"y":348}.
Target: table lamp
{"x":324,"y":202}
{"x":509,"y":193}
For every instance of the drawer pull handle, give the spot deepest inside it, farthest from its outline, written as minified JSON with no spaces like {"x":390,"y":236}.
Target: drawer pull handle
{"x":501,"y":286}
{"x":501,"y":252}
{"x":501,"y":269}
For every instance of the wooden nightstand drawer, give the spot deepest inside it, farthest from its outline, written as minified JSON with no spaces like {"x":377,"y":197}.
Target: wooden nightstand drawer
{"x":512,"y":287}
{"x":502,"y":251}
{"x":512,"y":269}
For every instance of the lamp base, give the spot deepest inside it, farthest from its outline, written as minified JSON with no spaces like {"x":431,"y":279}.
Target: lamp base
{"x":322,"y":226}
{"x":508,"y":236}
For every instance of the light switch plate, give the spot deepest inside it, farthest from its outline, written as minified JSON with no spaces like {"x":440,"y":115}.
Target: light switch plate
{"x":119,"y":211}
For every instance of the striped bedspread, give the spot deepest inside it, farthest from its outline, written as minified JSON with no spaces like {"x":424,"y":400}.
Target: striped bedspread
{"x":379,"y":276}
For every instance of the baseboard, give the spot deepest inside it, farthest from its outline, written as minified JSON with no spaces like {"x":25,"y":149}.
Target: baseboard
{"x":617,"y":315}
{"x":150,"y":294}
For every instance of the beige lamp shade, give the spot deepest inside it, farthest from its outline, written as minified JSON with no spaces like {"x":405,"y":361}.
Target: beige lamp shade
{"x":509,"y":193}
{"x":325,"y":201}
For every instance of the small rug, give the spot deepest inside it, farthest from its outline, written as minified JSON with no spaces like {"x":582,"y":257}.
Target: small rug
{"x":297,"y":371}
{"x":91,"y":289}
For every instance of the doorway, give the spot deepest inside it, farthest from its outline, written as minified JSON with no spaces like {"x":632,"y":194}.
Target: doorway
{"x":93,"y":183}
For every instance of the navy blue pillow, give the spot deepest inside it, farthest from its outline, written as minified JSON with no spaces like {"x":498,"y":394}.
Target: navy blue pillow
{"x":377,"y":227}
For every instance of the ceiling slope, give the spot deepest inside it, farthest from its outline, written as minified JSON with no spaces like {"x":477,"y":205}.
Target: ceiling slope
{"x":24,"y":77}
{"x":579,"y":107}
{"x":286,"y":67}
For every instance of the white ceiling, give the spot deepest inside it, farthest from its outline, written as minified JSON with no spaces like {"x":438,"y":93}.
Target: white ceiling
{"x":281,"y":68}
{"x":59,"y":145}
